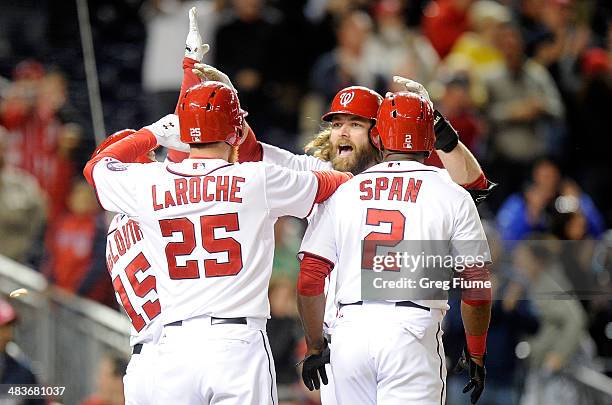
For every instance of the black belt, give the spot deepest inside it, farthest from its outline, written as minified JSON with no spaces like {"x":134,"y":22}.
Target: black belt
{"x":137,"y":348}
{"x":217,"y":321}
{"x":409,"y":304}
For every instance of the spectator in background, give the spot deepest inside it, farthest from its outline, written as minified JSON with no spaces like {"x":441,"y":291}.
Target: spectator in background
{"x":480,"y":46}
{"x":457,"y":106}
{"x":14,"y":368}
{"x":395,"y":49}
{"x":76,"y":248}
{"x":346,"y":65}
{"x":559,"y":48}
{"x":22,"y":211}
{"x":524,"y":108}
{"x":528,"y":212}
{"x":166,"y":22}
{"x":245,"y":49}
{"x":569,"y":224}
{"x":528,"y":15}
{"x":579,"y":257}
{"x":558,"y":346}
{"x":444,"y":21}
{"x":109,"y":381}
{"x":34,"y":112}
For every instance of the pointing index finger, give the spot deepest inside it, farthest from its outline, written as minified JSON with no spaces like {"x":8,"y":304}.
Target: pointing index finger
{"x":193,"y":23}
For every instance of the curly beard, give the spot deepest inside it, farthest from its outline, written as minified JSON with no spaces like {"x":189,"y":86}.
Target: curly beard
{"x":361,"y":159}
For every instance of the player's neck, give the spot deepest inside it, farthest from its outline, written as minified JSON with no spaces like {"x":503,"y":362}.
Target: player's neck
{"x":395,"y":156}
{"x":214,"y":150}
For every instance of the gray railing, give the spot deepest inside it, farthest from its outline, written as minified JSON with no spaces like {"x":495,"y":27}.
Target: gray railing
{"x":64,"y":336}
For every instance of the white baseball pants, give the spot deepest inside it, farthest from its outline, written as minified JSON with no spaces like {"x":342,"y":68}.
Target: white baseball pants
{"x":223,"y":364}
{"x":388,"y":355}
{"x":328,"y":392}
{"x":137,"y":387}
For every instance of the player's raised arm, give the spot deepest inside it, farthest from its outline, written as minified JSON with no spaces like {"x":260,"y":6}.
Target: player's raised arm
{"x":460,"y":163}
{"x":195,"y":49}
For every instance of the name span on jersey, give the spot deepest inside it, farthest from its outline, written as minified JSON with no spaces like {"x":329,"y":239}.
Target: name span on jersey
{"x":198,"y":189}
{"x":399,"y":188}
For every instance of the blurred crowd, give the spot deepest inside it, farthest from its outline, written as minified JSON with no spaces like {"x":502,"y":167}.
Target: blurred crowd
{"x":527,"y":84}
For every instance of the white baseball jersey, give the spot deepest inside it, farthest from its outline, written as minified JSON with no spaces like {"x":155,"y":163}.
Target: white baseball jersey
{"x":209,"y":226}
{"x":284,"y":158}
{"x":405,"y":200}
{"x":281,"y":157}
{"x":133,"y":279}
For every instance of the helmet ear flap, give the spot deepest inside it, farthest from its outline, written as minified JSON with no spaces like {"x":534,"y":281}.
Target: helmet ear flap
{"x":239,"y":132}
{"x":375,"y":137}
{"x":239,"y":128}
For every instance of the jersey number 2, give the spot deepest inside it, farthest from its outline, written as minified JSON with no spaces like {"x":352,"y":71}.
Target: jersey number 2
{"x":141,"y":289}
{"x":208,"y":224}
{"x":376,"y":217}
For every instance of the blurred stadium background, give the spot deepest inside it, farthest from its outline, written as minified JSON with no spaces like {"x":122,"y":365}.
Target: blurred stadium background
{"x":527,"y":83}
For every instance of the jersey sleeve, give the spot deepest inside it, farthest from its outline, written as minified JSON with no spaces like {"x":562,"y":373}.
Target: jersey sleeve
{"x":284,"y":158}
{"x":320,"y":237}
{"x":468,"y":241}
{"x":289,"y":192}
{"x":116,"y":184}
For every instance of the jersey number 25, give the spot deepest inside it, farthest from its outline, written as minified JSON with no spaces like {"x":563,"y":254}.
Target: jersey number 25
{"x":208,"y":224}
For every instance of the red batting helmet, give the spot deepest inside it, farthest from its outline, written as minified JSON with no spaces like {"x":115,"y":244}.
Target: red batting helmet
{"x":116,"y":137}
{"x":7,"y":313}
{"x":210,"y":112}
{"x":405,"y":123}
{"x":355,"y":100}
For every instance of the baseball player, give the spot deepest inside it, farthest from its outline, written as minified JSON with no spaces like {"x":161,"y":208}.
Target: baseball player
{"x":129,"y":263}
{"x":134,"y":283}
{"x":388,"y":352}
{"x":208,"y":224}
{"x":344,"y":144}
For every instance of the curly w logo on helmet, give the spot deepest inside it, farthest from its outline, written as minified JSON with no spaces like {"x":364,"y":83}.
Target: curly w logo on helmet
{"x":346,"y":98}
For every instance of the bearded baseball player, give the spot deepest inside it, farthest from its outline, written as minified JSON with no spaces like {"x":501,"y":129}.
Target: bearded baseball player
{"x":344,"y":144}
{"x":390,"y":352}
{"x":208,"y":223}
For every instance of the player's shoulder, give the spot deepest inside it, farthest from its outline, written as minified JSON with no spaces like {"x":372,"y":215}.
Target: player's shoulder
{"x":259,"y":165}
{"x":267,"y":168}
{"x":317,"y":163}
{"x":447,"y":182}
{"x":114,"y":165}
{"x":443,"y":181}
{"x":117,"y":222}
{"x":258,"y":169}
